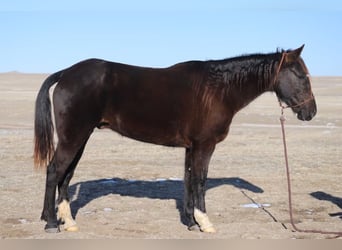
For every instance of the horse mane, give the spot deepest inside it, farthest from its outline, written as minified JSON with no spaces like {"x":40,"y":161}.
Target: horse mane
{"x":235,"y":71}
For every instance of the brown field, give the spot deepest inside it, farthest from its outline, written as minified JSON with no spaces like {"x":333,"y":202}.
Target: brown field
{"x":128,"y":189}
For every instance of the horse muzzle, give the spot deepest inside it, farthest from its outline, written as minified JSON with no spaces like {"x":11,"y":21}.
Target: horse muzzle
{"x":307,"y":112}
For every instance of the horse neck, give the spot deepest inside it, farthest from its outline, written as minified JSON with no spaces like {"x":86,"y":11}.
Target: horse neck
{"x":244,"y":79}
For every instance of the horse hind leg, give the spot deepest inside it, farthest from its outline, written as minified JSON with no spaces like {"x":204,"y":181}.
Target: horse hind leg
{"x":60,"y":172}
{"x":64,"y":211}
{"x":49,"y":213}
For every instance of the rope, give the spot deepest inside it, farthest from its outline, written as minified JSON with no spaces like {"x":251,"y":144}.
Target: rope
{"x":337,"y":234}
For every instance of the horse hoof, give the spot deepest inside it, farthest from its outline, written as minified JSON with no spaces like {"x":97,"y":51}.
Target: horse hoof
{"x":52,"y":229}
{"x":208,"y":230}
{"x":73,"y":228}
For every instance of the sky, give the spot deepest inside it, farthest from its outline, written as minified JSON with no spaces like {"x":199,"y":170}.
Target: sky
{"x":43,"y":36}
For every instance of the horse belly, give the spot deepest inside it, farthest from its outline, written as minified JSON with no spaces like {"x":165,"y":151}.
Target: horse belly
{"x":167,"y":133}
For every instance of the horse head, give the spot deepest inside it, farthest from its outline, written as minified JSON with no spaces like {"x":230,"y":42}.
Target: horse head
{"x":293,"y":87}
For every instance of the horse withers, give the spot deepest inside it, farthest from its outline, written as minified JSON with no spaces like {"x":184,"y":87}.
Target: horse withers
{"x":190,"y":105}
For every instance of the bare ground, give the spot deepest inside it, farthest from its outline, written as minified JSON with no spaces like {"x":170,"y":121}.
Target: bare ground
{"x":128,"y":189}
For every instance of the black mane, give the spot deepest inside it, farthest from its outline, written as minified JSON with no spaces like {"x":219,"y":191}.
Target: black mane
{"x":237,"y":70}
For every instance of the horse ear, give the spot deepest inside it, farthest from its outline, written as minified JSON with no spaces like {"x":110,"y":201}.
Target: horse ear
{"x":293,"y":55}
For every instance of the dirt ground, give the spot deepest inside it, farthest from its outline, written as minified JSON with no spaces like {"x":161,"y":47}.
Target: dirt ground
{"x":128,"y":189}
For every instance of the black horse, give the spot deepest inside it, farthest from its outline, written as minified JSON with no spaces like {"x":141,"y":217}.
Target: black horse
{"x":190,"y":105}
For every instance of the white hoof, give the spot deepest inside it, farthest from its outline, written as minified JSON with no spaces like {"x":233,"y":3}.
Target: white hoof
{"x":70,"y":225}
{"x":73,"y":228}
{"x":208,"y":230}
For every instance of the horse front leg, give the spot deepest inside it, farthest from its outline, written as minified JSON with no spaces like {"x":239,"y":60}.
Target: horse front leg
{"x":188,"y":192}
{"x":196,"y":169}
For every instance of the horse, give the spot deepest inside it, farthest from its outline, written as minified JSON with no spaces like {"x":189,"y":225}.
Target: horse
{"x":190,"y":104}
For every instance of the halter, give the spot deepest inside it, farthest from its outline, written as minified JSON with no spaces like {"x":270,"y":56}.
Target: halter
{"x":274,"y":83}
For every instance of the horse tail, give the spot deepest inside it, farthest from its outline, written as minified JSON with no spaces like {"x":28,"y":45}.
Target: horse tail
{"x":43,"y":126}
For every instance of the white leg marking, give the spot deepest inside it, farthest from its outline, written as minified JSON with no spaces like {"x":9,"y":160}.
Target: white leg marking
{"x":204,"y":222}
{"x":64,"y":213}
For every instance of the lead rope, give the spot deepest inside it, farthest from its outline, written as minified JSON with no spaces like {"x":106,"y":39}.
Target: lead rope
{"x":337,"y":234}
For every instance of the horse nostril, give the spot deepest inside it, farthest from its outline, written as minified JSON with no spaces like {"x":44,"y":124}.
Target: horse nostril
{"x":308,"y":118}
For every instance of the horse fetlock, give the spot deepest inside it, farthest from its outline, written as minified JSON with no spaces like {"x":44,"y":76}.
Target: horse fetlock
{"x":64,"y":214}
{"x":203,"y":221}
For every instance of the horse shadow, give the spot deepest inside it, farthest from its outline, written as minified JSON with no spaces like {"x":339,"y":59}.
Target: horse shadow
{"x":82,"y":193}
{"x":328,"y":197}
